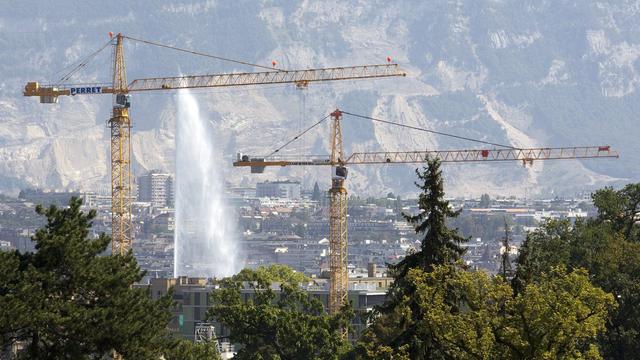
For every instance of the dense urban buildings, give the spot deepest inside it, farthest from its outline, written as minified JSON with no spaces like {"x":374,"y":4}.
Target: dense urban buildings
{"x":292,"y":229}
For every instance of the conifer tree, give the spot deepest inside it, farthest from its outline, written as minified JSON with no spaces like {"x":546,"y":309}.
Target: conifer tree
{"x":440,"y":245}
{"x":69,"y":301}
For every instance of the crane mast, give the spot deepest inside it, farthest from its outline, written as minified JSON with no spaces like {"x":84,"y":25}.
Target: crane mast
{"x":338,"y":276}
{"x":120,"y":126}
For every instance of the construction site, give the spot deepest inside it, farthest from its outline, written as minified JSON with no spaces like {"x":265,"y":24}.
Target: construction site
{"x":337,"y":161}
{"x":203,"y":179}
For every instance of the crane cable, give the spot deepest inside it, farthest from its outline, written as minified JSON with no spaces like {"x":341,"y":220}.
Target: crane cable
{"x":82,"y":63}
{"x":391,"y":123}
{"x":201,"y":53}
{"x":429,"y":131}
{"x":299,"y":135}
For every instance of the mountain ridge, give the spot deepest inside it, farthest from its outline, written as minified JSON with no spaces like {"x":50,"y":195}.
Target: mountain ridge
{"x":527,"y":74}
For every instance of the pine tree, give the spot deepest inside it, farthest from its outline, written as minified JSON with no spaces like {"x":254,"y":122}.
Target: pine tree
{"x":440,"y":245}
{"x":68,"y":301}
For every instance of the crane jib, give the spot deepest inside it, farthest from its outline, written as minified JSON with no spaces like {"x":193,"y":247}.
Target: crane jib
{"x":86,"y":90}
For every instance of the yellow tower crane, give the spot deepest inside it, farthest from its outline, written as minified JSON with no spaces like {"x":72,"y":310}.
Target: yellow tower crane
{"x":339,"y":280}
{"x":120,"y":123}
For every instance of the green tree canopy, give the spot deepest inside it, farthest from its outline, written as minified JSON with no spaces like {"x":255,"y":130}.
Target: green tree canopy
{"x":188,"y":350}
{"x":284,"y":324}
{"x":612,"y":262}
{"x":544,"y":248}
{"x":65,"y":301}
{"x":620,"y":208}
{"x":272,"y":273}
{"x":609,"y":249}
{"x":554,"y":308}
{"x":470,"y":315}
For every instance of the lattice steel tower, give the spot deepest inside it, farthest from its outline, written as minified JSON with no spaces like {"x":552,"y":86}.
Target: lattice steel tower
{"x":339,"y":277}
{"x":120,"y":125}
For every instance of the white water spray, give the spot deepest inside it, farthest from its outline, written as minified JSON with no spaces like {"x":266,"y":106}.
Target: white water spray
{"x":205,"y":235}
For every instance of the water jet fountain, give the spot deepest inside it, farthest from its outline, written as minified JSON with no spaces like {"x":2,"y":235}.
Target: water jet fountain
{"x":205,"y":233}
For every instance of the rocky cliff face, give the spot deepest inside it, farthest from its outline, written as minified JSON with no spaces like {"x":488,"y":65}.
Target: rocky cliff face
{"x":532,"y":73}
